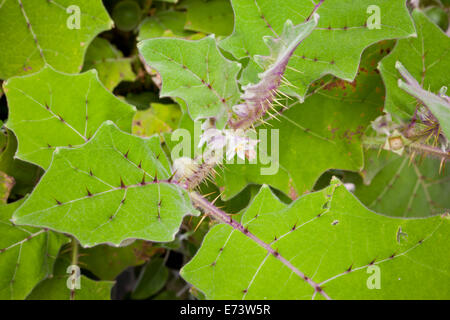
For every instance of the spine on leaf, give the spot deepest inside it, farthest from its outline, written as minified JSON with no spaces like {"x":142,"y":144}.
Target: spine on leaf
{"x":259,"y":98}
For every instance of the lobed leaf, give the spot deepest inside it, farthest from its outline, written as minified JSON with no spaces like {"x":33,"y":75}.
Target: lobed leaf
{"x":50,"y":109}
{"x":36,"y":33}
{"x":335,"y":46}
{"x":113,"y":188}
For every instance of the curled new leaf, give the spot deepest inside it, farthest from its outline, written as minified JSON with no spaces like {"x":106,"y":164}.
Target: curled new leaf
{"x":196,"y":72}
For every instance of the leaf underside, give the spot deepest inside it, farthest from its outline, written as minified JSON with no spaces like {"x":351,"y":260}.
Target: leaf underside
{"x":36,"y":33}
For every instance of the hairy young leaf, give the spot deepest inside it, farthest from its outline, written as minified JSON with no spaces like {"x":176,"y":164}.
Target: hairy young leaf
{"x":196,"y":72}
{"x":325,"y":244}
{"x":40,"y":32}
{"x":114,"y":187}
{"x":334,"y":47}
{"x":396,"y":186}
{"x":27,"y":255}
{"x":50,"y":109}
{"x":112,"y":67}
{"x":322,"y":133}
{"x":425,"y":57}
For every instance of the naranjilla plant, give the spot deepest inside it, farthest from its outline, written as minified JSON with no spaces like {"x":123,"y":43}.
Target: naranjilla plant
{"x":243,"y":149}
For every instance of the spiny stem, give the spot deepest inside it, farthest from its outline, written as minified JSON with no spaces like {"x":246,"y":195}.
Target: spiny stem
{"x":220,"y":215}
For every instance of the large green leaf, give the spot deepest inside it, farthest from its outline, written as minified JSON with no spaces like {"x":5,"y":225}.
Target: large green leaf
{"x":50,"y":109}
{"x":334,"y":241}
{"x":396,"y":186}
{"x":322,"y":133}
{"x":425,"y":57}
{"x":112,"y":67}
{"x":35,"y":33}
{"x":196,"y":72}
{"x":27,"y":255}
{"x":334,"y":47}
{"x":105,"y":192}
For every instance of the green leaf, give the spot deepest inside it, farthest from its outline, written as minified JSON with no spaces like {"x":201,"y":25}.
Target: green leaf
{"x":335,"y":46}
{"x":50,"y":109}
{"x":322,"y":133}
{"x":214,"y":16}
{"x":159,"y":118}
{"x":424,"y":57}
{"x":25,"y":174}
{"x":153,"y":277}
{"x":196,"y":72}
{"x":109,"y":62}
{"x":396,"y":187}
{"x":108,"y":262}
{"x":439,"y":105}
{"x":36,"y":33}
{"x":163,"y":23}
{"x":27,"y":255}
{"x":56,"y":287}
{"x":105,"y":192}
{"x":334,"y":241}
